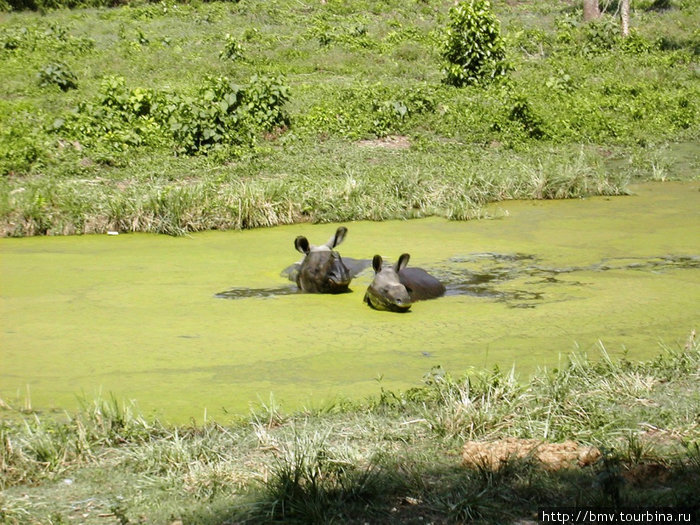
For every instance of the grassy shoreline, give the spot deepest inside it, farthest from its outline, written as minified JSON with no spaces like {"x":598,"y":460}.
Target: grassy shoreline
{"x":393,"y":458}
{"x":333,"y":189}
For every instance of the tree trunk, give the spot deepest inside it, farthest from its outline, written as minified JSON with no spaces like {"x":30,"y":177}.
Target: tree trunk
{"x":625,"y":17}
{"x":591,"y":11}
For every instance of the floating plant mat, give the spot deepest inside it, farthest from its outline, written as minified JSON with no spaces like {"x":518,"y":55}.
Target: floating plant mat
{"x":481,"y":275}
{"x":137,"y":315}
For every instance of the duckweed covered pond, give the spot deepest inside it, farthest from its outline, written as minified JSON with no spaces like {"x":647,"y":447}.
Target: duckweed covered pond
{"x":205,"y":324}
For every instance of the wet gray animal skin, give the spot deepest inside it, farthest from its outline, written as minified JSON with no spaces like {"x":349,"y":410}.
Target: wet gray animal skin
{"x":397,"y":287}
{"x":323,"y":270}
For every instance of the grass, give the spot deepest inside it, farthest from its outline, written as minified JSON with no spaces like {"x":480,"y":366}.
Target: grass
{"x":581,"y":112}
{"x":328,"y":189}
{"x":393,"y":458}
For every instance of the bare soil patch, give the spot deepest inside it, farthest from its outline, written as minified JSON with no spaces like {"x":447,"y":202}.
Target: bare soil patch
{"x":389,"y":142}
{"x":552,"y":456}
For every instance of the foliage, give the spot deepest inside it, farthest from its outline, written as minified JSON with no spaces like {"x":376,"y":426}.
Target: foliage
{"x":473,"y":48}
{"x":220,"y":115}
{"x":210,"y":119}
{"x":21,"y":147}
{"x":368,"y":110}
{"x":264,"y":100}
{"x":329,"y":107}
{"x":46,"y":35}
{"x":45,"y":5}
{"x":232,"y":50}
{"x":58,"y":74}
{"x":522,"y":114}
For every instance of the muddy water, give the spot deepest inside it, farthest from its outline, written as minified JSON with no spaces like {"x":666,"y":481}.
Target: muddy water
{"x":206,"y":324}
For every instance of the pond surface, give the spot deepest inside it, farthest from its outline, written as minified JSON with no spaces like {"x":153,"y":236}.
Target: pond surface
{"x":206,"y":324}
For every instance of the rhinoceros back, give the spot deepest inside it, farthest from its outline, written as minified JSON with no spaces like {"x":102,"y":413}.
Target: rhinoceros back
{"x":420,"y":284}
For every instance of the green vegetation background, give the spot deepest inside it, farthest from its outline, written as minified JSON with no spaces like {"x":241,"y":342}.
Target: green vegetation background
{"x":174,"y":117}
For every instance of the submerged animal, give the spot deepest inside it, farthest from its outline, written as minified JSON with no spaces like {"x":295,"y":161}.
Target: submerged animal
{"x":323,"y":270}
{"x":396,"y":287}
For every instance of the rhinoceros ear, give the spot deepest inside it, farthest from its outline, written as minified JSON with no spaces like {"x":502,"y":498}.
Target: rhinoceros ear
{"x":402,"y":262}
{"x":377,"y":263}
{"x":301,"y":243}
{"x":339,"y":237}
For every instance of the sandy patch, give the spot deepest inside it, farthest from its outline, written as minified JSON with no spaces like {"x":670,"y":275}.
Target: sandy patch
{"x":552,"y":456}
{"x":390,"y":142}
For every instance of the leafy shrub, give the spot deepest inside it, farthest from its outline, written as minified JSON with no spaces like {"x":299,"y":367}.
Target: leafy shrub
{"x":45,"y":5}
{"x":232,"y":49}
{"x":368,"y":110}
{"x":212,"y":119}
{"x":388,"y":115}
{"x":560,"y":83}
{"x":50,"y":36}
{"x":57,"y":73}
{"x":220,"y":115}
{"x":11,"y":39}
{"x":531,"y":42}
{"x":352,"y":33}
{"x":265,"y":98}
{"x":473,"y":47}
{"x":117,"y":118}
{"x":598,"y":37}
{"x":518,"y":121}
{"x":20,"y":148}
{"x":226,"y":114}
{"x":521,"y":113}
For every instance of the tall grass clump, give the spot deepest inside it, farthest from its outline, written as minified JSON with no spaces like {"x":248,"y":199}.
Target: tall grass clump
{"x":42,"y":448}
{"x":310,"y":483}
{"x":474,"y":406}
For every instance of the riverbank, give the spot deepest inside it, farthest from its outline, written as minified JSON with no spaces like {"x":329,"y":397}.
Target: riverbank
{"x":333,"y":182}
{"x":456,"y":449}
{"x":112,"y":119}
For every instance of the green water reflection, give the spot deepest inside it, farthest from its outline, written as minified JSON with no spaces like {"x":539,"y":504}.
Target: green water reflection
{"x":138,"y":316}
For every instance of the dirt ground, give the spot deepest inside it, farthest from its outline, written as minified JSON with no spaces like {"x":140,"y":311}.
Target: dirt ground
{"x":552,"y":456}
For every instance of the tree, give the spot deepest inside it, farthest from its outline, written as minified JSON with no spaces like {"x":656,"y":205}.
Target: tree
{"x":625,"y":17}
{"x":591,"y":11}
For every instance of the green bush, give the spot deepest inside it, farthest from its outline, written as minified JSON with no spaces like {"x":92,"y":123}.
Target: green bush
{"x":220,"y":115}
{"x":58,"y":74}
{"x":265,"y":98}
{"x":233,"y":50}
{"x":524,"y":116}
{"x":212,"y":119}
{"x":363,"y":110}
{"x":50,"y":37}
{"x":20,"y":148}
{"x":45,"y":5}
{"x":473,"y":47}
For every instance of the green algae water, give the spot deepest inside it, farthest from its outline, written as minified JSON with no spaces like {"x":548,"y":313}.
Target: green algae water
{"x":205,"y":325}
